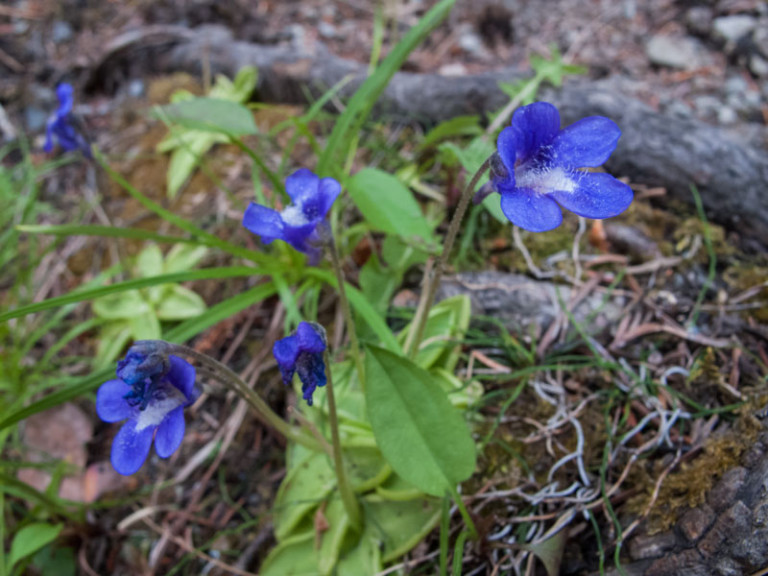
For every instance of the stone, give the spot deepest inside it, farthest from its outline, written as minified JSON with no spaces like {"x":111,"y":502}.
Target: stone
{"x":61,"y":32}
{"x":470,"y":41}
{"x":732,"y":525}
{"x":695,"y":523}
{"x":644,"y":547}
{"x":760,"y":39}
{"x":674,"y":52}
{"x":758,"y":66}
{"x":326,"y":30}
{"x":698,"y":19}
{"x":727,"y":115}
{"x":733,"y":28}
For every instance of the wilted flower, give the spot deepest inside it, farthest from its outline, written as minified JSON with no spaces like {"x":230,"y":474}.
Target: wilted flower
{"x":151,"y":393}
{"x":537,"y":168}
{"x":302,"y":352}
{"x":298,"y":223}
{"x":60,"y":126}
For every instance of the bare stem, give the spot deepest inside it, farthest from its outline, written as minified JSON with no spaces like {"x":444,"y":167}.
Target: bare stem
{"x":434,"y":271}
{"x":347,"y":312}
{"x":351,"y":504}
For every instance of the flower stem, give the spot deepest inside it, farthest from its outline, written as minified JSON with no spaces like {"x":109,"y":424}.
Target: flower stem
{"x":347,"y":312}
{"x":351,"y":504}
{"x":230,"y":379}
{"x":434,"y":272}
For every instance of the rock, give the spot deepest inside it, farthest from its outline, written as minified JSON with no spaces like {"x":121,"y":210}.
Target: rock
{"x":698,"y":19}
{"x":727,"y":115}
{"x":61,"y":32}
{"x":760,"y":39}
{"x":326,"y":30}
{"x":675,"y":52}
{"x":453,"y":69}
{"x":758,"y":66}
{"x":644,"y":547}
{"x":695,"y":523}
{"x":35,"y":118}
{"x":733,"y":28}
{"x":470,"y":41}
{"x":521,"y":303}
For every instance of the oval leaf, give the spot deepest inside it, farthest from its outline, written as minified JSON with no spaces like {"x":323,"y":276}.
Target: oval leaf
{"x":419,"y":432}
{"x":212,"y":115}
{"x":31,"y":538}
{"x":388,"y":205}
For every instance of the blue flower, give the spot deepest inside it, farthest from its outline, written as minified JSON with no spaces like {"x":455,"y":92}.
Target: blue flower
{"x":151,"y":393}
{"x":537,"y":169}
{"x":297,"y":224}
{"x":60,"y":126}
{"x":302,"y":352}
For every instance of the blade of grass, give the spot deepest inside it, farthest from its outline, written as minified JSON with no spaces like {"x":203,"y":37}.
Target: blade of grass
{"x":105,"y":232}
{"x":361,"y":104}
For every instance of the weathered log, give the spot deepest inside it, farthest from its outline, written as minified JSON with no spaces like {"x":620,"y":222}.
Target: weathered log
{"x":655,"y":149}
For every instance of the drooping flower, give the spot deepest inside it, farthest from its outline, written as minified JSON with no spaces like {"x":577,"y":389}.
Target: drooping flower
{"x":150,"y":392}
{"x":61,"y":125}
{"x":538,"y":168}
{"x":302,"y":352}
{"x":298,"y":224}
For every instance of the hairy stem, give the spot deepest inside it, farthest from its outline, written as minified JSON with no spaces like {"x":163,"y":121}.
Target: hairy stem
{"x":347,"y":312}
{"x":229,"y":378}
{"x":434,"y":271}
{"x":351,"y":504}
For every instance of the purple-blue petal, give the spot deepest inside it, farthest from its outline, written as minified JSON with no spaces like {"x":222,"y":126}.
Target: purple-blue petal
{"x":182,"y":376}
{"x":286,"y":351}
{"x":506,"y":145}
{"x":531,"y":211}
{"x":130,"y":448}
{"x":586,"y":143}
{"x":65,"y":94}
{"x":111,"y":405}
{"x":597,"y":195}
{"x":263,"y":221}
{"x":329,"y":190}
{"x":311,"y":368}
{"x":301,"y":186}
{"x":170,"y":433}
{"x":534,"y":127}
{"x":309,"y":339}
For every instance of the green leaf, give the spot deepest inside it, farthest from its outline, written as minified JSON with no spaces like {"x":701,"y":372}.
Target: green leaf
{"x":112,"y":339}
{"x":550,"y":551}
{"x":447,"y":322}
{"x":419,"y":432}
{"x":103,"y":231}
{"x":145,"y":326}
{"x":123,"y":306}
{"x":238,"y":91}
{"x":150,"y":261}
{"x":183,"y":257}
{"x":471,"y":158}
{"x":31,"y":538}
{"x":347,"y":127}
{"x":179,"y":303}
{"x":455,"y":127}
{"x":310,"y":479}
{"x":211,"y":115}
{"x":54,"y":561}
{"x":387,"y":204}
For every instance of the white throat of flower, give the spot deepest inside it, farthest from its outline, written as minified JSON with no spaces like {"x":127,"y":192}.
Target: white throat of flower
{"x":293,"y":216}
{"x":546,"y":180}
{"x":158,"y":409}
